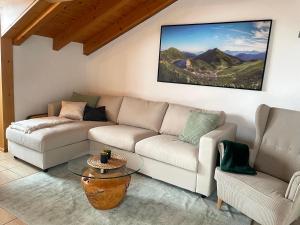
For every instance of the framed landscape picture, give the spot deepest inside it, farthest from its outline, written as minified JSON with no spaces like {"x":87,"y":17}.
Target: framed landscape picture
{"x":230,"y":54}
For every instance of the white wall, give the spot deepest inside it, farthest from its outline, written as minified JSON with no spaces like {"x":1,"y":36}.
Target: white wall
{"x":129,"y":64}
{"x":11,"y":10}
{"x":42,"y":75}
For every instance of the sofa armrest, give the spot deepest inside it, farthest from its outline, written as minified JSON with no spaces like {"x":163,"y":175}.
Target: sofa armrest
{"x":293,"y":189}
{"x":208,"y":149}
{"x":54,"y":108}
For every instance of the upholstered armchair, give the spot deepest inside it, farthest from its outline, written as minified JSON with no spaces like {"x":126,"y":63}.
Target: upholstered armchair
{"x":272,"y":197}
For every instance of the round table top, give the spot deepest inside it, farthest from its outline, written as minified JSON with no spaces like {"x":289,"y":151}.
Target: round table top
{"x":80,"y":167}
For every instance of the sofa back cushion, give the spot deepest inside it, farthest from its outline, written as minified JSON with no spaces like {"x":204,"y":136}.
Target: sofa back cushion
{"x":112,"y":106}
{"x":177,"y":115}
{"x":142,"y":113}
{"x":279,"y":152}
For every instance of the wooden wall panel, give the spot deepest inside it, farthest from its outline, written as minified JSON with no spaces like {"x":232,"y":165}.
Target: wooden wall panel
{"x":7,"y":112}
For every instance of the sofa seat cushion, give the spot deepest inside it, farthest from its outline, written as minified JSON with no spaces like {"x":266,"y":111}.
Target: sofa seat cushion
{"x":45,"y":139}
{"x":169,"y":149}
{"x":119,"y":136}
{"x":260,"y":196}
{"x":266,"y":185}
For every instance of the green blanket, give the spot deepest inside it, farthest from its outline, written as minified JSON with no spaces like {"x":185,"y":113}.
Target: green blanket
{"x":236,"y":158}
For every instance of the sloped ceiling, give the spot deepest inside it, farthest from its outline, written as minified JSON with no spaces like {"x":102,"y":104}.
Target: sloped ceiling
{"x":94,"y":23}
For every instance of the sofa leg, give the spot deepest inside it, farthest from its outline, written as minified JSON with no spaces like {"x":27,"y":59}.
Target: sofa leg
{"x":45,"y":171}
{"x":219,"y":203}
{"x":202,"y":196}
{"x":15,"y":157}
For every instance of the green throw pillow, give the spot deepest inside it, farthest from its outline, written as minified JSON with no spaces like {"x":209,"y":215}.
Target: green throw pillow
{"x":197,"y":125}
{"x":91,"y":100}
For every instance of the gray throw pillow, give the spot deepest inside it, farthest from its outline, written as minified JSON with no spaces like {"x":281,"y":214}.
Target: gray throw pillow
{"x":90,"y":100}
{"x":197,"y":125}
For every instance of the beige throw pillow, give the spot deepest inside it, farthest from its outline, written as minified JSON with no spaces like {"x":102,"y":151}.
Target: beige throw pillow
{"x":72,"y":110}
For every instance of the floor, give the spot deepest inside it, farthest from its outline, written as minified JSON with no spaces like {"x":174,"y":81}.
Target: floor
{"x":10,"y":170}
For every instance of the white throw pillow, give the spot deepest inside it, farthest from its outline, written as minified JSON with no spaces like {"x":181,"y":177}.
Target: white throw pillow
{"x":72,"y":110}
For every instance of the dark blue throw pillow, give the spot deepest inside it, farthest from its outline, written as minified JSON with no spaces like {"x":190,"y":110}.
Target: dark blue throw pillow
{"x":94,"y":114}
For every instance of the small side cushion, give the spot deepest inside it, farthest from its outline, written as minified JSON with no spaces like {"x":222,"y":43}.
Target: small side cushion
{"x":168,"y":149}
{"x":72,"y":110}
{"x":90,"y":100}
{"x":94,"y":114}
{"x":119,"y":136}
{"x":197,"y":125}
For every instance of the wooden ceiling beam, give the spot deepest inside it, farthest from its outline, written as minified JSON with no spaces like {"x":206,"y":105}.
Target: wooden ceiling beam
{"x":38,"y":22}
{"x":89,"y":20}
{"x":124,"y":24}
{"x":55,"y":1}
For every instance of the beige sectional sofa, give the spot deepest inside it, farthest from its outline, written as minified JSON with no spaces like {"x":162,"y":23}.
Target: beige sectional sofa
{"x":135,"y":126}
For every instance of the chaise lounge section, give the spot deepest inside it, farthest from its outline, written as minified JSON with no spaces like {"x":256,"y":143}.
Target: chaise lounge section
{"x":49,"y":147}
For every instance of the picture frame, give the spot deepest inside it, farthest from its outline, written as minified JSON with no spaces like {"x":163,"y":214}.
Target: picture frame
{"x":220,"y":54}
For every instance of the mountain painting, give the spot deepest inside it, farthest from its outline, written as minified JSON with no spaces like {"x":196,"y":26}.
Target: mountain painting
{"x":231,"y":54}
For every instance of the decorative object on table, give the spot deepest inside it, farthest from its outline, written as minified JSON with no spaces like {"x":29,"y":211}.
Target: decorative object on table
{"x":94,"y":114}
{"x":72,"y":110}
{"x":197,"y":125}
{"x":235,"y":158}
{"x":103,"y":157}
{"x":228,"y":54}
{"x":90,"y":100}
{"x":116,"y":161}
{"x":108,"y":153}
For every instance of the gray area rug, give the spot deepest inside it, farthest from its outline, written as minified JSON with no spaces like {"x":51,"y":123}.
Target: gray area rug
{"x":56,"y":198}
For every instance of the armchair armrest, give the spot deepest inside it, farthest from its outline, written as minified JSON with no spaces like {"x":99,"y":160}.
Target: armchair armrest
{"x":54,"y":108}
{"x":293,"y":189}
{"x":208,"y":149}
{"x":293,"y":194}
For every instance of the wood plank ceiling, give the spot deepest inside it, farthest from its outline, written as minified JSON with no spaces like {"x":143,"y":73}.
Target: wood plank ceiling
{"x":94,"y":23}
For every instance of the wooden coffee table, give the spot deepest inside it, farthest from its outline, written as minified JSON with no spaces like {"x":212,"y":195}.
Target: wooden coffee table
{"x":104,"y":190}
